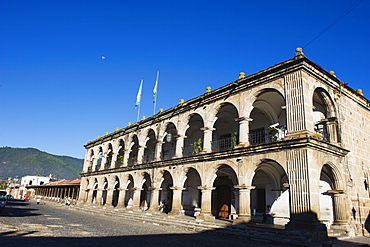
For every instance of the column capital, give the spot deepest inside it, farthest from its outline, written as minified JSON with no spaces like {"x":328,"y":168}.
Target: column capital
{"x":243,"y":119}
{"x":207,"y":129}
{"x":206,"y":188}
{"x":155,"y":188}
{"x":244,"y":187}
{"x":179,"y":137}
{"x":177,"y":188}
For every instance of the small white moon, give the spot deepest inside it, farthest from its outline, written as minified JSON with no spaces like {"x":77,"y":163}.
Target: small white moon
{"x":102,"y":57}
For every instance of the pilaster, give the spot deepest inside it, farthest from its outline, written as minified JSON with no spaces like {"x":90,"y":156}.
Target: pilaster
{"x":304,"y":197}
{"x":299,"y":106}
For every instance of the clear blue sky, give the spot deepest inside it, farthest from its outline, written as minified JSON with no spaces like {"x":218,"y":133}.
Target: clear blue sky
{"x":56,"y":91}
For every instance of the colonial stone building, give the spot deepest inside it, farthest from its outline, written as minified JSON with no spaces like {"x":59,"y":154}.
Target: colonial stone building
{"x":292,"y":136}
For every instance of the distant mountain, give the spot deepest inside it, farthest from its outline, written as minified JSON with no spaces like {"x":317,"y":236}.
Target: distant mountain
{"x":30,"y":161}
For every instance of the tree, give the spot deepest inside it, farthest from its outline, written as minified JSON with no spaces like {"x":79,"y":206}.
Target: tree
{"x":3,"y":185}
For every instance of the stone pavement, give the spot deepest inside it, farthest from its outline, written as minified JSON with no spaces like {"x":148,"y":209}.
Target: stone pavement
{"x":263,"y":232}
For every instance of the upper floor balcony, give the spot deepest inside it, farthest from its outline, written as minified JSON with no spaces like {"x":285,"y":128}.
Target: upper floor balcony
{"x":237,"y":115}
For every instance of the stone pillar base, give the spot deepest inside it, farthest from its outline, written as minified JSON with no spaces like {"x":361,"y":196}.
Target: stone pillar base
{"x":153,"y":211}
{"x":204,"y":217}
{"x":342,"y":228}
{"x":242,"y":219}
{"x":317,"y":230}
{"x":176,"y":213}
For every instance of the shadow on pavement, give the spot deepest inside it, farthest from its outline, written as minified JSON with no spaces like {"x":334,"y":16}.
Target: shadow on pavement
{"x":19,"y":209}
{"x":19,"y":238}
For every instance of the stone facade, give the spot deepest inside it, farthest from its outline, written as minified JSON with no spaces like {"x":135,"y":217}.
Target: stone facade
{"x":292,"y":136}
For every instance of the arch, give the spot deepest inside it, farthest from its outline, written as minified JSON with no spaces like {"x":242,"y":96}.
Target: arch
{"x":269,"y":180}
{"x":129,"y":187}
{"x":225,"y":135}
{"x":116,"y":188}
{"x":169,"y":142}
{"x":100,"y":158}
{"x":134,"y":147}
{"x":191,"y":196}
{"x":108,"y":156}
{"x":94,"y":190}
{"x":104,"y":191}
{"x":120,"y":153}
{"x":268,"y":117}
{"x":324,"y":116}
{"x":332,"y":173}
{"x":331,"y":185}
{"x":224,"y":196}
{"x":145,"y":194}
{"x":91,"y":158}
{"x":166,"y":193}
{"x":193,"y":143}
{"x":149,"y":146}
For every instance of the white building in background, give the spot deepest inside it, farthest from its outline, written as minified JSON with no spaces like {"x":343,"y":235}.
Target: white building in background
{"x":29,"y":181}
{"x":292,"y":136}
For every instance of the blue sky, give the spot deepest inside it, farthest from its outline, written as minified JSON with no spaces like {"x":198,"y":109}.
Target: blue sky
{"x":56,"y":91}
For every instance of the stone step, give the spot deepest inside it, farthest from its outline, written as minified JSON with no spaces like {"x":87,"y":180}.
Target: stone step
{"x":255,"y":232}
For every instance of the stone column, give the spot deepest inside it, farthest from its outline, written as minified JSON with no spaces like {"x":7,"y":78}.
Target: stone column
{"x":140,"y":154}
{"x":244,"y":211}
{"x":176,"y":201}
{"x":153,"y":208}
{"x":207,"y":139}
{"x":136,"y":199}
{"x":341,"y":216}
{"x":99,"y":196}
{"x":125,"y":157}
{"x":90,"y":196}
{"x":158,"y":150}
{"x":179,"y":146}
{"x":95,"y":163}
{"x":206,"y":207}
{"x":244,"y":131}
{"x":331,"y":127}
{"x":86,"y":162}
{"x":103,"y":161}
{"x":121,"y":197}
{"x":113,"y":161}
{"x":109,"y":197}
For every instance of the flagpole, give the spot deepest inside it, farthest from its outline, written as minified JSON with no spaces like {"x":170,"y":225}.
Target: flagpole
{"x":155,"y":92}
{"x":138,"y":100}
{"x":138,"y":113}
